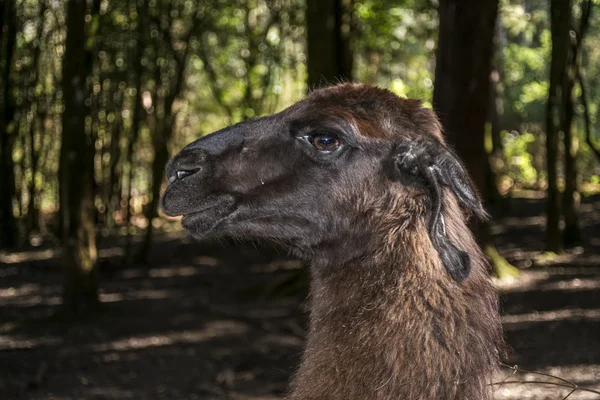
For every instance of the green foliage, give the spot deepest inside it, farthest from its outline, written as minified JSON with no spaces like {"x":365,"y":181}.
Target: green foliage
{"x":525,"y":50}
{"x":248,"y":58}
{"x":519,"y":159}
{"x":394,"y":45}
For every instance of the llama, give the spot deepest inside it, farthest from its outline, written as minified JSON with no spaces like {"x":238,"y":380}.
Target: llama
{"x":359,"y":183}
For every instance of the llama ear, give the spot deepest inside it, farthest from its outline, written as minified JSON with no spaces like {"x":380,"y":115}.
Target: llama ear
{"x":438,"y":167}
{"x":449,"y":170}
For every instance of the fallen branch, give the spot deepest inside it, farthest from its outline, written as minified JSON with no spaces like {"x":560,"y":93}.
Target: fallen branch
{"x":563,"y":382}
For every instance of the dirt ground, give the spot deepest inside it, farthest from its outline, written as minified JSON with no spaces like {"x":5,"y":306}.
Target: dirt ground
{"x":205,"y":321}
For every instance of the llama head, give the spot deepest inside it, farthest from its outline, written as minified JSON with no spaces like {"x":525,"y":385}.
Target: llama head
{"x":328,"y":177}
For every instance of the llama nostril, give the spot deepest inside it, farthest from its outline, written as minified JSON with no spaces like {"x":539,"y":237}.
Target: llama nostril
{"x":182,"y":173}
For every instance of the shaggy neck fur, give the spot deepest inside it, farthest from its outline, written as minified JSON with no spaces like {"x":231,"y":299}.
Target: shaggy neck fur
{"x":397,"y":327}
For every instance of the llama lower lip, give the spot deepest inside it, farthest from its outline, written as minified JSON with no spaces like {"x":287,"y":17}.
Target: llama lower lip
{"x":202,"y":222}
{"x":194,"y":214}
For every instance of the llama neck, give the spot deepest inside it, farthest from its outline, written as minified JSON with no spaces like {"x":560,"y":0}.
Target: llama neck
{"x":399,"y":330}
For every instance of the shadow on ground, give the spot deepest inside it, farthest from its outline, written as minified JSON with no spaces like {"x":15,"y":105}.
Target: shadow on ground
{"x":203,"y":322}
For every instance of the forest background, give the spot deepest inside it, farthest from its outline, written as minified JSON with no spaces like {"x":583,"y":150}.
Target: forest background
{"x":97,"y":95}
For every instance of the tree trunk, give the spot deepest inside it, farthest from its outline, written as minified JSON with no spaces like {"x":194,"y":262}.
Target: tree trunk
{"x":161,"y":136}
{"x":161,"y":157}
{"x":493,"y":140}
{"x":571,"y":197}
{"x":462,"y":78}
{"x":113,"y":197}
{"x":8,"y":223}
{"x":36,"y":125}
{"x":560,"y":16}
{"x":328,"y":27}
{"x":77,"y":168}
{"x":344,"y":25}
{"x":462,"y":92}
{"x":142,"y":12}
{"x":587,"y":123}
{"x":33,"y":206}
{"x":164,"y":131}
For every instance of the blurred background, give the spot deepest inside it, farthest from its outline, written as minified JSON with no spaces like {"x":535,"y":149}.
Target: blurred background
{"x":102,"y":297}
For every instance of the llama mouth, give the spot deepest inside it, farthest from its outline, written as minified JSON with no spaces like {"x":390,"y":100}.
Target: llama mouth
{"x":179,"y":199}
{"x":205,"y":221}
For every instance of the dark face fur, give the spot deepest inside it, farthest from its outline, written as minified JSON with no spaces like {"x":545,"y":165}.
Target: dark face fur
{"x":337,"y":169}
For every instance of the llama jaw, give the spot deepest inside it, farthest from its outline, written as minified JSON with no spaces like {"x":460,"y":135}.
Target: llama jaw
{"x":204,"y":222}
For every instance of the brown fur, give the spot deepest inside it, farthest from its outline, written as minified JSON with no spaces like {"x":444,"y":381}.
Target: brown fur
{"x":397,"y":324}
{"x":387,"y":321}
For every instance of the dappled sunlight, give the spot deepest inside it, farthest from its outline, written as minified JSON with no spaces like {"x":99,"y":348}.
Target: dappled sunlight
{"x":268,"y":310}
{"x":139,"y":294}
{"x":529,"y":194}
{"x":512,"y":222}
{"x":27,"y":256}
{"x":111,"y":392}
{"x":546,"y":280}
{"x":118,"y":356}
{"x":32,"y":301}
{"x":588,"y":208}
{"x":574,"y":285}
{"x":196,"y":268}
{"x":206,"y":261}
{"x":17,"y":343}
{"x":110,"y":297}
{"x":173,"y":272}
{"x":134,"y":273}
{"x":38,"y":300}
{"x":567,"y":257}
{"x":8,"y":327}
{"x":525,"y":281}
{"x":104,"y":297}
{"x":266,"y":342}
{"x":30,"y":295}
{"x":211,"y":330}
{"x":153,"y":294}
{"x":583,"y":375}
{"x":567,"y":270}
{"x":111,"y":252}
{"x":24,"y":290}
{"x":277,"y":265}
{"x":517,"y":320}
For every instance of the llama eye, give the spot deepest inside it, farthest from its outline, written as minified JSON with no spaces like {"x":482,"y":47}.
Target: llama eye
{"x":325,"y":143}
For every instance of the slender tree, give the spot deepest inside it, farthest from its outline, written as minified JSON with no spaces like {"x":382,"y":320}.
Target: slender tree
{"x":38,"y":109}
{"x":587,"y":123}
{"x":77,"y":164}
{"x":8,"y":132}
{"x":495,"y":157}
{"x":172,"y":87}
{"x":571,"y":197}
{"x":256,"y":52}
{"x":328,"y":32}
{"x":462,"y":91}
{"x":462,"y":77}
{"x":560,"y":18}
{"x":138,"y":70}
